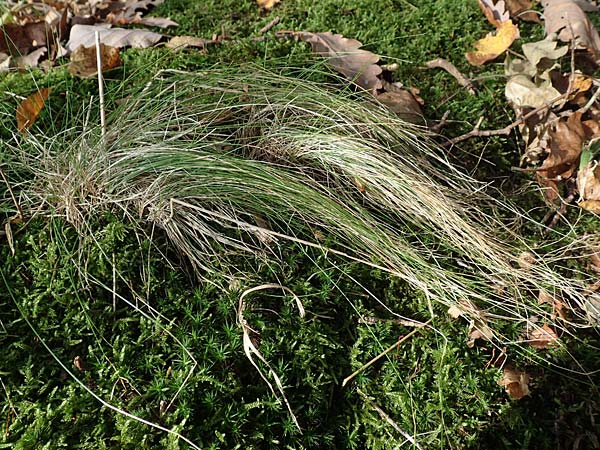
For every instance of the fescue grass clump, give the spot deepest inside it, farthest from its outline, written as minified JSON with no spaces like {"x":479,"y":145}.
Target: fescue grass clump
{"x":234,"y":160}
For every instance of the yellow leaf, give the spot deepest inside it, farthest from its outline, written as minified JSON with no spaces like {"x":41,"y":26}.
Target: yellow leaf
{"x":590,"y":205}
{"x":491,"y":46}
{"x":267,"y":4}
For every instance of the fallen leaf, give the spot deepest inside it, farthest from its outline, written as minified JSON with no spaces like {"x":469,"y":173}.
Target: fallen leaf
{"x":267,"y":4}
{"x":496,"y":14}
{"x":558,"y":307}
{"x":588,"y":181}
{"x":542,"y":338}
{"x":521,"y":9}
{"x":29,"y":109}
{"x":83,"y":60}
{"x":566,"y":142}
{"x":544,"y":49}
{"x":479,"y":330}
{"x":590,"y":205}
{"x":85,"y":35}
{"x":591,"y":307}
{"x":346,"y":57}
{"x":179,"y":42}
{"x":23,"y":62}
{"x":404,"y":104}
{"x":493,"y":45}
{"x":79,"y":363}
{"x":526,"y":260}
{"x":523,"y":92}
{"x":455,"y":312}
{"x":18,"y":40}
{"x":566,"y":18}
{"x":515,"y":382}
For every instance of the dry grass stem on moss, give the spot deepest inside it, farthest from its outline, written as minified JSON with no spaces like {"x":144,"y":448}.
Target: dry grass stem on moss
{"x":231,"y":161}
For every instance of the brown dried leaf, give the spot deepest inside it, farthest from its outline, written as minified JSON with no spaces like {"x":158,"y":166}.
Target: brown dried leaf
{"x":496,"y":14}
{"x":346,"y":57}
{"x":179,"y":42}
{"x":521,"y":9}
{"x":404,"y":104}
{"x":566,"y":142}
{"x":18,"y":40}
{"x":566,"y":18}
{"x":79,"y":363}
{"x":29,"y":109}
{"x":493,"y":45}
{"x":591,"y":128}
{"x":558,"y":307}
{"x":479,"y":330}
{"x":83,"y":60}
{"x":588,"y":182}
{"x":515,"y":382}
{"x":542,"y":338}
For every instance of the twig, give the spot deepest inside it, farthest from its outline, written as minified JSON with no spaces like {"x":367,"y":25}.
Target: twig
{"x":389,"y":420}
{"x":100,"y":87}
{"x":270,"y":25}
{"x":441,"y":124}
{"x":12,"y":195}
{"x":441,"y":63}
{"x":476,"y":132}
{"x":403,"y":322}
{"x":382,"y":354}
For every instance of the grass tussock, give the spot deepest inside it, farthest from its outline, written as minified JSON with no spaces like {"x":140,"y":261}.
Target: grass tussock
{"x":230,"y":161}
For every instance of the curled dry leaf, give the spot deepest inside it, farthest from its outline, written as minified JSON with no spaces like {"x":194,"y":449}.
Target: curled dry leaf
{"x":496,"y":14}
{"x":535,"y":52}
{"x":30,"y":108}
{"x":523,"y":92}
{"x":515,"y":382}
{"x":346,"y":57}
{"x":493,"y":45}
{"x":83,"y":60}
{"x":542,"y":338}
{"x":566,"y":18}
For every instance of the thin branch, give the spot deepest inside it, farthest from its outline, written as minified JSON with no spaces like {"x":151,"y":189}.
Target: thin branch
{"x":441,"y":63}
{"x":270,"y":25}
{"x":389,"y":420}
{"x":476,"y":132}
{"x":382,"y":354}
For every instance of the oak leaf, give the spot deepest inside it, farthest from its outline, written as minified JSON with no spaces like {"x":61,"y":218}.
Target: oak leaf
{"x":566,"y":18}
{"x":346,"y":57}
{"x":85,"y":35}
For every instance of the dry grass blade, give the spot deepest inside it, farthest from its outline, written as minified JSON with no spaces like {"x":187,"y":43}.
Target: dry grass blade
{"x":250,"y":349}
